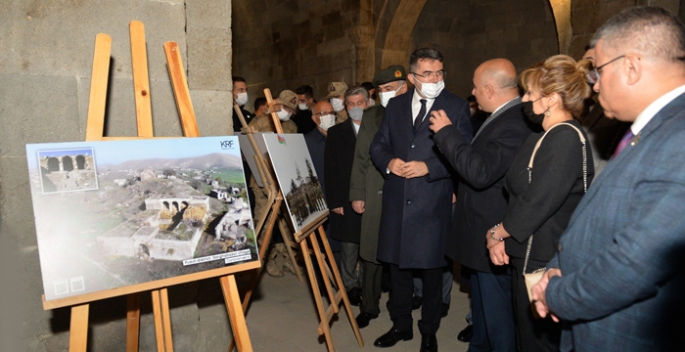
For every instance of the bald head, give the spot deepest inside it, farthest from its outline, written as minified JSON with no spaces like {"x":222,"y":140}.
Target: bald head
{"x":494,"y":83}
{"x":321,"y":108}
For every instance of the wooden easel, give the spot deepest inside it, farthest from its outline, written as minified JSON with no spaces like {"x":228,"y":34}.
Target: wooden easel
{"x":335,"y":288}
{"x":94,"y":132}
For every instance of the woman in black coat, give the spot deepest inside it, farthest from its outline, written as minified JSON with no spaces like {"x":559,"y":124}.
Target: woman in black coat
{"x":542,"y":198}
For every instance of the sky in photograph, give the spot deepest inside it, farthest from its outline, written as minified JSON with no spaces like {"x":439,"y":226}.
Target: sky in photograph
{"x":116,"y":152}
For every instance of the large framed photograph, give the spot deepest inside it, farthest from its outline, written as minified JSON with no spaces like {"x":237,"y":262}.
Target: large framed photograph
{"x":295,"y":172}
{"x":122,"y":213}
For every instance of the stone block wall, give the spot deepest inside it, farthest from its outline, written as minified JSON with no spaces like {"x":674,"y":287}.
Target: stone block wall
{"x":284,"y":44}
{"x":46,"y":53}
{"x":470,"y":32}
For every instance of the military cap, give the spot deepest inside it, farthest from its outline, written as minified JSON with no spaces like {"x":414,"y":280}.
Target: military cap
{"x":390,"y":74}
{"x":336,"y":89}
{"x":288,"y":98}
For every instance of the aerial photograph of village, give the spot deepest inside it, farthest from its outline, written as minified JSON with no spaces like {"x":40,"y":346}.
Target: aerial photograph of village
{"x":114,"y":214}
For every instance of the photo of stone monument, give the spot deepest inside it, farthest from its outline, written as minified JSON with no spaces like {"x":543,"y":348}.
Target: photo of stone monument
{"x":113,"y":214}
{"x":67,"y":170}
{"x":295,"y":172}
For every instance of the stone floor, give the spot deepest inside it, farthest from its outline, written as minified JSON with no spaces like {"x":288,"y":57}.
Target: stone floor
{"x":283,"y":318}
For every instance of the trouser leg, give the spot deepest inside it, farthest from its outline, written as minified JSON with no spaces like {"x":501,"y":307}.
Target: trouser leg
{"x":349,"y":256}
{"x":431,"y":310}
{"x":371,"y":287}
{"x":400,"y":297}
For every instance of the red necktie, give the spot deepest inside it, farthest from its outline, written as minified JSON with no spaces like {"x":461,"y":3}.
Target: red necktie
{"x":624,"y":142}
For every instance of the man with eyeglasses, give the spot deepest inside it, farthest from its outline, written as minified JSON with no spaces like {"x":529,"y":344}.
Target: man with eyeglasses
{"x":618,"y":279}
{"x":417,"y":196}
{"x":366,"y":190}
{"x":603,"y":133}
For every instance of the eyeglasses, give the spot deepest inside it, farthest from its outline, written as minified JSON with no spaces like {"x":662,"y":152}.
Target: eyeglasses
{"x":431,"y":75}
{"x":593,"y":76}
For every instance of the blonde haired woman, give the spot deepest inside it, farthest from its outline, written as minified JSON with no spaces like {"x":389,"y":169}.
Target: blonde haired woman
{"x":545,"y":182}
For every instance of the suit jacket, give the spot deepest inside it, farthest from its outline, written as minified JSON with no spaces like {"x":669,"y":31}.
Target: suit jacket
{"x":481,"y":167}
{"x":338,"y":158}
{"x":316,"y":144}
{"x":416,"y":216}
{"x":622,"y":256}
{"x":366,"y":183}
{"x":543,"y":206}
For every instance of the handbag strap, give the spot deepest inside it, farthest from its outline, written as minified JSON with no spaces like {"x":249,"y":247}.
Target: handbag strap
{"x":530,"y":175}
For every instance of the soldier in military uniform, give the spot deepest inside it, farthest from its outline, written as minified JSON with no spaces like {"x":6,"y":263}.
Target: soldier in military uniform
{"x":285,"y":106}
{"x":366,"y":190}
{"x":336,"y":96}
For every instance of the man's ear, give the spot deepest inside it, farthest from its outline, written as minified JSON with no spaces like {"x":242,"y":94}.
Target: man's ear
{"x":489,"y":91}
{"x":410,"y":77}
{"x":632,"y":67}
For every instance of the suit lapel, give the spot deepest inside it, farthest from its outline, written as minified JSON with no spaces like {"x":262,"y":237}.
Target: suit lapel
{"x":438,"y":104}
{"x":617,"y":165}
{"x":349,"y":134}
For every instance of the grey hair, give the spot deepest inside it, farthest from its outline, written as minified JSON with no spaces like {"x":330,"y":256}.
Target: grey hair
{"x":652,"y":31}
{"x":423,"y":54}
{"x":355,"y":90}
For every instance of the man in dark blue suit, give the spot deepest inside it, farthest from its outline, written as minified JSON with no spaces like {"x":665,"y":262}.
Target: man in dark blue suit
{"x":619,"y":276}
{"x":417,"y":196}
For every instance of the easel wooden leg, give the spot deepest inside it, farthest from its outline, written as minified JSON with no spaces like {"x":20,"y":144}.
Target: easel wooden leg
{"x":326,"y":331}
{"x":132,"y":322}
{"x":78,"y":331}
{"x":166,"y":320}
{"x":324,"y":273}
{"x":341,"y":287}
{"x":235,"y":313}
{"x":157,"y":313}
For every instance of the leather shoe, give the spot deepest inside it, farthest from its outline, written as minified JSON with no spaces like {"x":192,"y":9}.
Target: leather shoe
{"x":416,"y":302}
{"x":392,"y":337}
{"x":466,"y":334}
{"x":364,"y":318}
{"x":429,"y":343}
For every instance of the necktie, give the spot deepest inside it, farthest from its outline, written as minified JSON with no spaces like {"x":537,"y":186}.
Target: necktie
{"x":623,"y":143}
{"x":421,"y":114}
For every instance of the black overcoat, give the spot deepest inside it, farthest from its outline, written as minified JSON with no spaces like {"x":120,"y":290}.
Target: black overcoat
{"x":338,"y":158}
{"x":416,"y":216}
{"x":481,"y":167}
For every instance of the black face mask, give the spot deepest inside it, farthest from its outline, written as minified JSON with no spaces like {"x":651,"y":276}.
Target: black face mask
{"x":531,"y":115}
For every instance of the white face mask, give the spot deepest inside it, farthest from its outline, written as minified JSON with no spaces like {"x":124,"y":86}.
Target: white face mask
{"x":432,"y":90}
{"x":303,"y":106}
{"x":327,"y":121}
{"x":386,"y":96}
{"x":355,"y":113}
{"x":241,"y":99}
{"x":337,"y":104}
{"x":283,"y":115}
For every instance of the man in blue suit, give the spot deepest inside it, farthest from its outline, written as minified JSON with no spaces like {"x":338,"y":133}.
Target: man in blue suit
{"x":417,"y":196}
{"x":618,"y":280}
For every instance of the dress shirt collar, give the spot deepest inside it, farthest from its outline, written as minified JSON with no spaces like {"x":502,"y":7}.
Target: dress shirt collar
{"x":647,"y":114}
{"x":416,"y":104}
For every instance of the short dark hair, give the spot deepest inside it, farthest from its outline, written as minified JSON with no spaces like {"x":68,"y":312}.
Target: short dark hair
{"x":471,"y":99}
{"x":306,"y":90}
{"x":589,"y":46}
{"x":649,"y":30}
{"x":423,"y":54}
{"x":368,"y":85}
{"x":238,"y":79}
{"x":258,"y":103}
